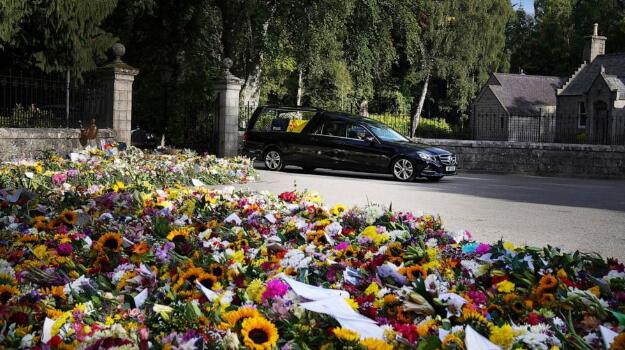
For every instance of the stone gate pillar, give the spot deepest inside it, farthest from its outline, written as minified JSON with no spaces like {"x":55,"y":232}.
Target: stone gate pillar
{"x":118,"y":78}
{"x":226,"y":92}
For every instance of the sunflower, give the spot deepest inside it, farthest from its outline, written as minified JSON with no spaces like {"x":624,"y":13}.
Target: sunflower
{"x":495,"y":309}
{"x":179,"y":235}
{"x":190,"y":276}
{"x":346,"y":334}
{"x":349,"y":252}
{"x":375,"y":344}
{"x":242,"y":313}
{"x":7,"y":292}
{"x":394,"y":253}
{"x":259,"y":334}
{"x":110,"y":241}
{"x":338,"y":210}
{"x":619,"y":342}
{"x":209,"y":281}
{"x":7,"y":279}
{"x":217,"y":270}
{"x":411,"y":272}
{"x":476,"y":320}
{"x":318,"y":237}
{"x":68,"y":217}
{"x":40,"y":223}
{"x":547,"y":298}
{"x":548,"y":282}
{"x":452,"y":342}
{"x":54,"y":224}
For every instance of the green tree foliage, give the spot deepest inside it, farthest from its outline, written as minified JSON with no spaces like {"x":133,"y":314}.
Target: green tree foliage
{"x":55,"y":35}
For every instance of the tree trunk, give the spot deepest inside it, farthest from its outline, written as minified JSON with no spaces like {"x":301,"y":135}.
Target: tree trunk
{"x":250,"y":93}
{"x":414,"y":122}
{"x":300,"y":88}
{"x":364,"y":108}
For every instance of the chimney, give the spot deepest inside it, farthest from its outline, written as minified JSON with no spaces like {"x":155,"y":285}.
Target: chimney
{"x":595,"y":45}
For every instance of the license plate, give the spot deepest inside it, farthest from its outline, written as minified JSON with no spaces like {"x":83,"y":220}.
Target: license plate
{"x":450,"y":168}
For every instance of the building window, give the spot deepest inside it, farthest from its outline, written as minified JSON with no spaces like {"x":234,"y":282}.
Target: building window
{"x":581,"y":116}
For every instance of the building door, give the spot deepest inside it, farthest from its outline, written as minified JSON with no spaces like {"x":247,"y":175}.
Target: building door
{"x":600,"y":123}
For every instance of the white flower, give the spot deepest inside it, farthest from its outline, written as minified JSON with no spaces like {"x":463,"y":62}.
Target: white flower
{"x":27,"y":341}
{"x":231,"y":341}
{"x":432,"y":243}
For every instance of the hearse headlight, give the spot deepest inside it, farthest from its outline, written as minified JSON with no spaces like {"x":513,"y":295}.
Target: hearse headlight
{"x":425,"y":156}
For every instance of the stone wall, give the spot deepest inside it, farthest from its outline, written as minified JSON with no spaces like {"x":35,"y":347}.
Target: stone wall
{"x":551,"y":159}
{"x":27,"y":143}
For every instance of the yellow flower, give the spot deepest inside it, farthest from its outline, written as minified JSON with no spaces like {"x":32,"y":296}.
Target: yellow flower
{"x":375,"y":344}
{"x":372,"y":233}
{"x":509,"y":246}
{"x":242,"y":313}
{"x":502,"y":336}
{"x":118,"y":186}
{"x":354,"y":305}
{"x":505,"y":286}
{"x":110,"y":241}
{"x":338,"y":209}
{"x":452,"y":341}
{"x":346,"y":334}
{"x":40,"y":251}
{"x":259,"y":333}
{"x":255,"y":290}
{"x":239,"y":256}
{"x":372,"y":289}
{"x":7,"y":292}
{"x":180,"y":234}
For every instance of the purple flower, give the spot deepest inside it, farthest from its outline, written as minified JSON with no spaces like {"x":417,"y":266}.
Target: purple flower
{"x":483,"y":248}
{"x":65,"y":249}
{"x":161,"y":253}
{"x":275,"y":288}
{"x":477,"y":296}
{"x":341,"y":246}
{"x":72,"y":173}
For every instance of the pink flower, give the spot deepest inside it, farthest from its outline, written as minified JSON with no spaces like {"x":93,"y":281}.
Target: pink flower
{"x":483,"y":248}
{"x":59,"y":178}
{"x":65,"y":249}
{"x":342,"y":246}
{"x":275,"y":288}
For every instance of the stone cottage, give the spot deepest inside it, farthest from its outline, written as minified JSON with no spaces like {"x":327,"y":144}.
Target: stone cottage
{"x":591,"y":104}
{"x":588,"y":106}
{"x":510,"y":105}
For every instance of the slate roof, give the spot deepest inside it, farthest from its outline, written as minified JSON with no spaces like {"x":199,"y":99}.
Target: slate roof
{"x":525,"y":94}
{"x":616,"y":84}
{"x":613,"y":69}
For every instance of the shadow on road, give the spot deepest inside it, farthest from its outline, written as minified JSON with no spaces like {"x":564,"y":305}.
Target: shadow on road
{"x":583,"y":193}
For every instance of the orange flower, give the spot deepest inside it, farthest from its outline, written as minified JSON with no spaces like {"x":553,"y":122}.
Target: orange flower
{"x":411,"y":271}
{"x":140,"y":248}
{"x":548,"y":282}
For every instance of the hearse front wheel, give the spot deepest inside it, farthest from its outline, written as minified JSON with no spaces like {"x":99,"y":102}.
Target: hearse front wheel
{"x":404,"y":170}
{"x":273,"y":160}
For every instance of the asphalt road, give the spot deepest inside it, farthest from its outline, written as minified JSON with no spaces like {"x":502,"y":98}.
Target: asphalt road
{"x":575,"y":214}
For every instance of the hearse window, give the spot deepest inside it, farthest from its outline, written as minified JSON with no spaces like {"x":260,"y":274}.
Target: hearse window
{"x":334,"y":129}
{"x":282,"y":121}
{"x":357,"y":132}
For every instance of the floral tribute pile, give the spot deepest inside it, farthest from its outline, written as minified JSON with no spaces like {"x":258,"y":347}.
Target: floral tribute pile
{"x":94,"y":170}
{"x":128,"y":267}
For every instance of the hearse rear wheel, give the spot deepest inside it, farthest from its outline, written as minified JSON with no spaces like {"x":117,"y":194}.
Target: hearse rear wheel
{"x":273,"y":160}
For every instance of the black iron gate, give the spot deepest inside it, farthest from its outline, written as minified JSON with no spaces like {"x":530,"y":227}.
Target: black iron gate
{"x":37,"y":100}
